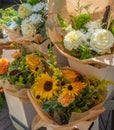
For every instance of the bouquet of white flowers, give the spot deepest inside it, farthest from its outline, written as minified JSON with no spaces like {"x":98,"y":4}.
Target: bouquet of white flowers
{"x":84,"y":36}
{"x":30,"y":22}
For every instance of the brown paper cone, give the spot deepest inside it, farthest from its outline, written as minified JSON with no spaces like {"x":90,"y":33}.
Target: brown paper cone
{"x":45,"y":120}
{"x":14,"y":91}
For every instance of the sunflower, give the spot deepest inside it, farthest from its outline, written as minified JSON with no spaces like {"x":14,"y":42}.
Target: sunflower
{"x":65,"y":100}
{"x":33,"y":62}
{"x":70,"y":75}
{"x":46,"y":86}
{"x":72,"y":89}
{"x":4,"y":65}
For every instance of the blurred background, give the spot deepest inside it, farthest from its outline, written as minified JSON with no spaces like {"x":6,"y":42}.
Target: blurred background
{"x":7,"y":3}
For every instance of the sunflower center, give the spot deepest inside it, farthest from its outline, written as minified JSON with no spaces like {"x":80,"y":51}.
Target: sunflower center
{"x":70,"y":87}
{"x":38,"y":96}
{"x":48,"y":86}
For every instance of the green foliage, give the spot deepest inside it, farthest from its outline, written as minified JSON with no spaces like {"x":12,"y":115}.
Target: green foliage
{"x":58,"y":112}
{"x":53,"y":62}
{"x":83,"y":52}
{"x":79,"y":21}
{"x":111,"y":27}
{"x":32,"y":2}
{"x":19,"y":74}
{"x":62,"y":21}
{"x":7,"y":15}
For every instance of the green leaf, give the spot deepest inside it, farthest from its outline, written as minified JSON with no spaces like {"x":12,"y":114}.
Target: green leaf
{"x":62,"y":21}
{"x":79,"y":21}
{"x":32,"y":2}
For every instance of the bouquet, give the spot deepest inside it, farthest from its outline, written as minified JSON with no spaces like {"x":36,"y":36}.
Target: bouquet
{"x":63,"y":93}
{"x":30,"y":22}
{"x":22,"y":70}
{"x":84,"y":37}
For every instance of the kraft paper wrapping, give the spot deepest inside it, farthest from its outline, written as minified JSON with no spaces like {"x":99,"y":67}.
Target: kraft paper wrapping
{"x":82,"y":121}
{"x":15,"y":36}
{"x":77,"y":121}
{"x":15,"y":91}
{"x":67,"y":8}
{"x":98,"y":62}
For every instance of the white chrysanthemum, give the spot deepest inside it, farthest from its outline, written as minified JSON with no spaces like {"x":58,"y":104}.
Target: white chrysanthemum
{"x":101,"y":40}
{"x":73,"y":39}
{"x":28,"y":28}
{"x":24,"y":10}
{"x":39,"y":7}
{"x":91,"y":27}
{"x":36,"y":18}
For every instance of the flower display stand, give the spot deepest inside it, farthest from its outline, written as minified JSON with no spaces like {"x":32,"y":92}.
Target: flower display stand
{"x":21,"y":111}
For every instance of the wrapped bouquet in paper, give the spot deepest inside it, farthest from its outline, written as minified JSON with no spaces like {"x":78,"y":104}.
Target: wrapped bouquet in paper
{"x":19,"y":74}
{"x":65,"y":98}
{"x":84,"y":32}
{"x":29,"y":26}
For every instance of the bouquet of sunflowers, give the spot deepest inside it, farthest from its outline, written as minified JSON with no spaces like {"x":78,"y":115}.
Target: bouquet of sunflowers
{"x":29,"y":25}
{"x":18,"y":75}
{"x":84,"y":37}
{"x":65,"y":94}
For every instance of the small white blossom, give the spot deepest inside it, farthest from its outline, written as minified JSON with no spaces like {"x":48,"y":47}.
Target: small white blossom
{"x":91,"y":27}
{"x":39,"y":7}
{"x":73,"y":39}
{"x":36,"y":18}
{"x":101,"y":40}
{"x":28,"y":28}
{"x":24,"y":10}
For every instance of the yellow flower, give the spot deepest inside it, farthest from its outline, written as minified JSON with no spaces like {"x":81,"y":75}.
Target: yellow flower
{"x":37,"y":96}
{"x":72,"y":89}
{"x":4,"y":64}
{"x":65,"y":100}
{"x":46,"y":86}
{"x":33,"y":62}
{"x":70,"y":75}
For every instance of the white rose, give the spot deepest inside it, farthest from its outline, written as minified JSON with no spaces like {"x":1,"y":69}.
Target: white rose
{"x":24,"y":10}
{"x":73,"y":39}
{"x":27,"y":28}
{"x":101,"y":40}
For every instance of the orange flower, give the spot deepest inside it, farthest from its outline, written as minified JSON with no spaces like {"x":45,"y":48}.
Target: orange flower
{"x":16,"y":55}
{"x":1,"y":90}
{"x":79,"y":85}
{"x":65,"y":100}
{"x":70,"y":75}
{"x":4,"y":64}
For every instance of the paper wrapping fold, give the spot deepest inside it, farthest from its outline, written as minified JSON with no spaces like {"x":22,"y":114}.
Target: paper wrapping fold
{"x":14,"y":91}
{"x":78,"y":121}
{"x":16,"y":36}
{"x":98,"y":62}
{"x":66,"y":8}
